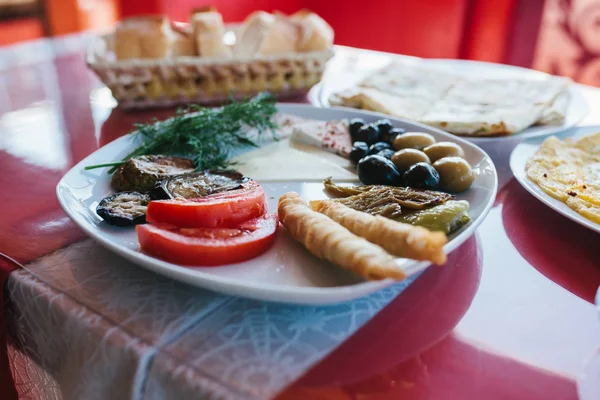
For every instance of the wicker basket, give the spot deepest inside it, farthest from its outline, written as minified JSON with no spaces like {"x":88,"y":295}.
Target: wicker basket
{"x":143,"y":83}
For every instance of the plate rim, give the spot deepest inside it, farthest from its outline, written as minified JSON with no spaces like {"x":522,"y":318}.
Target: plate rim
{"x":521,"y":150}
{"x":316,"y":96}
{"x":311,"y":295}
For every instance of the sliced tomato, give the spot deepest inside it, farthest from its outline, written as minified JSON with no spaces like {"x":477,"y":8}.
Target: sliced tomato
{"x":209,"y":246}
{"x":227,"y":209}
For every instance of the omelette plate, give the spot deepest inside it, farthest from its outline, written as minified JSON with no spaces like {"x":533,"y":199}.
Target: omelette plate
{"x":518,"y":162}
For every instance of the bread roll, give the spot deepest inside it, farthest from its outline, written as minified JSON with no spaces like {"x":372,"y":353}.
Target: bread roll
{"x":315,"y":33}
{"x":202,"y":10}
{"x":252,"y":32}
{"x":182,"y":42}
{"x":208,"y":31}
{"x":282,"y":37}
{"x":143,"y":37}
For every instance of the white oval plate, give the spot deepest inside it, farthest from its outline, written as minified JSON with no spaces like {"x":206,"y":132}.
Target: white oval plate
{"x":287,"y":272}
{"x":577,"y":109}
{"x":518,"y":162}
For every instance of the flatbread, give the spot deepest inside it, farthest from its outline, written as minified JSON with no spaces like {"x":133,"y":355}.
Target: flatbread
{"x":506,"y":92}
{"x":460,"y":105}
{"x":400,"y":106}
{"x":411,"y":81}
{"x":481,"y":120}
{"x":555,"y":113}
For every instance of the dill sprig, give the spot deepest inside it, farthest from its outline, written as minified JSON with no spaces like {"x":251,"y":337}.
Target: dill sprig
{"x":206,"y":135}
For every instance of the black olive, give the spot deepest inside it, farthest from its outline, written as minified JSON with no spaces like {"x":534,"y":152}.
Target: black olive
{"x":355,"y":125}
{"x":369,"y":134}
{"x":421,"y":175}
{"x":378,"y":170}
{"x":384,"y":125}
{"x":359,"y":150}
{"x":387,"y":153}
{"x":377,"y":147}
{"x":391,"y":135}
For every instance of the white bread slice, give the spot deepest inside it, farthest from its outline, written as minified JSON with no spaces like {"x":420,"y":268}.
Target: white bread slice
{"x":252,"y":32}
{"x":143,"y":37}
{"x":208,"y":33}
{"x":315,"y":33}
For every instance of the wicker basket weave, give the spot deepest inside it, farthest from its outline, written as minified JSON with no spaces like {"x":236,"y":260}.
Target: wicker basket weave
{"x":142,"y":83}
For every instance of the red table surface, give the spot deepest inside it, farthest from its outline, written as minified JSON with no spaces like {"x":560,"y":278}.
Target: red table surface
{"x":514,"y":320}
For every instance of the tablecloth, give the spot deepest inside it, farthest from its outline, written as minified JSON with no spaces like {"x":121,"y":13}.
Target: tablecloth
{"x":101,"y":327}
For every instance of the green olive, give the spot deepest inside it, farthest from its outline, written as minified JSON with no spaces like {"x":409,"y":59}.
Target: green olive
{"x":404,"y":158}
{"x":456,"y":174}
{"x":413,"y":140}
{"x":443,"y":149}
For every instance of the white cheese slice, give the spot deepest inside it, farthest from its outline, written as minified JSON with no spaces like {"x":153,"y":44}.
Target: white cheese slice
{"x":331,"y":136}
{"x":280,"y":161}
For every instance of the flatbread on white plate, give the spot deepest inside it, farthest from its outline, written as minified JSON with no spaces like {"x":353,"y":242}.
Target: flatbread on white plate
{"x":555,"y":114}
{"x":376,"y":100}
{"x":481,"y":120}
{"x":346,"y":98}
{"x":506,"y":92}
{"x":411,"y":80}
{"x":460,"y":105}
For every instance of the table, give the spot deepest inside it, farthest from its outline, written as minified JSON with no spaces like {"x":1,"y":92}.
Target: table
{"x":511,"y":315}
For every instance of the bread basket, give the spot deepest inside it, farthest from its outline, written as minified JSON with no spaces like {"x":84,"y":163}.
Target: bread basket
{"x":144,"y":83}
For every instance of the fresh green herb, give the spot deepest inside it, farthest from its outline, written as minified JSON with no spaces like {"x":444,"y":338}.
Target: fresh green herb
{"x":206,"y":135}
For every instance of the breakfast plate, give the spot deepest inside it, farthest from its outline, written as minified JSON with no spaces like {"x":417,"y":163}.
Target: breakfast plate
{"x":576,"y":110}
{"x":286,"y":272}
{"x":518,"y":163}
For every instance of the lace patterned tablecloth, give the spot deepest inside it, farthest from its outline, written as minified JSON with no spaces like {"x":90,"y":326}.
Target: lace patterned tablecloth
{"x":88,"y":317}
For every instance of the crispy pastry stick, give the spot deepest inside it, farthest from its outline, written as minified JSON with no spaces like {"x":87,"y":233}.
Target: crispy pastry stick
{"x":328,"y":240}
{"x":399,"y":239}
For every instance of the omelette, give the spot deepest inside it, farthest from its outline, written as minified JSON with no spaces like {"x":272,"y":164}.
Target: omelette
{"x":569,"y":171}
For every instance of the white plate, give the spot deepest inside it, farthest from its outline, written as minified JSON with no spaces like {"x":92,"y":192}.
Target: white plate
{"x":518,"y":162}
{"x":287,"y":272}
{"x":576,"y":110}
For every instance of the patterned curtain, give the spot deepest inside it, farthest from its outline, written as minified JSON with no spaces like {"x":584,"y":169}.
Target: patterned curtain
{"x":569,"y":40}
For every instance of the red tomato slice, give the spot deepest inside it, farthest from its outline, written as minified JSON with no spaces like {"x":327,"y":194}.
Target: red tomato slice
{"x":209,"y":246}
{"x":227,"y":209}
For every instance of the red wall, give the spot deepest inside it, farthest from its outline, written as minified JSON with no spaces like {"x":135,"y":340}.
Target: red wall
{"x":232,"y":10}
{"x":474,"y":29}
{"x":20,"y":30}
{"x":425,"y":28}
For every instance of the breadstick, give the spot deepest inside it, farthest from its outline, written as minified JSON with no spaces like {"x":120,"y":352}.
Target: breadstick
{"x":399,"y":239}
{"x":328,"y":240}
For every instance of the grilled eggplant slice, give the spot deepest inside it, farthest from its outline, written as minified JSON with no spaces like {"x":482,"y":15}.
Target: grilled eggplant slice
{"x":140,"y":174}
{"x":124,"y":208}
{"x":197,"y":184}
